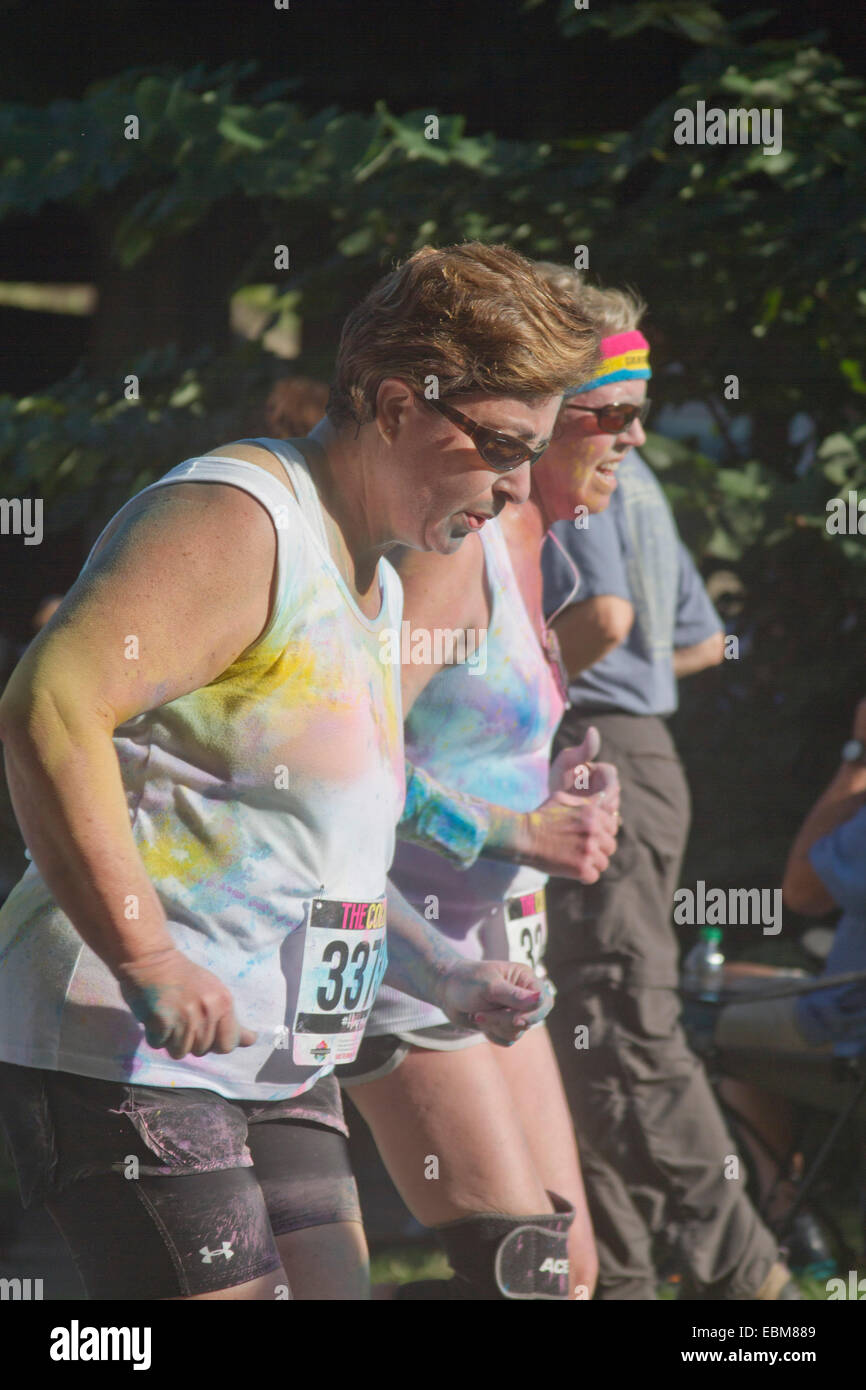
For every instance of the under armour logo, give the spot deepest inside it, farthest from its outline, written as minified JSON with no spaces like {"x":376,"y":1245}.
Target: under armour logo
{"x":208,"y":1255}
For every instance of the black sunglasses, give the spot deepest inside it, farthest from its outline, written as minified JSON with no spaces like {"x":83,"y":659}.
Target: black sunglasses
{"x":613,"y":419}
{"x":501,"y":452}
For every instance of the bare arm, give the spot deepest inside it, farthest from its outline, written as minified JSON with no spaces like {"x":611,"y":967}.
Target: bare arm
{"x":162,"y":580}
{"x":588,"y":630}
{"x":500,"y":998}
{"x":689,"y":660}
{"x":802,"y":889}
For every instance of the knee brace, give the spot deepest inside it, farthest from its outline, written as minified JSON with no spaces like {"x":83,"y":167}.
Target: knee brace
{"x":515,"y":1257}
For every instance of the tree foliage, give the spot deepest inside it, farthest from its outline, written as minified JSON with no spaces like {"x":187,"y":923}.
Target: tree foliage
{"x":751,"y":264}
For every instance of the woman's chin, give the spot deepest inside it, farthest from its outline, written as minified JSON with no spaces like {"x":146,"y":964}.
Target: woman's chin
{"x":593,"y":500}
{"x":447,"y":538}
{"x":601,"y":500}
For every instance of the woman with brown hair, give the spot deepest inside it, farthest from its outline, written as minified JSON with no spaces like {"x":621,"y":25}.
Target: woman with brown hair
{"x":205,"y":757}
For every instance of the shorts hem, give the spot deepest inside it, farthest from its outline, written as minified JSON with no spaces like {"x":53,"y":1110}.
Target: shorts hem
{"x":258,"y":1271}
{"x":306,"y":1224}
{"x":404,"y":1040}
{"x":472,"y":1038}
{"x":398,"y":1056}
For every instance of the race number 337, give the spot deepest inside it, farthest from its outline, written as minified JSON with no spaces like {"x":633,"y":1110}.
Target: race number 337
{"x":344,"y":961}
{"x":526,"y":925}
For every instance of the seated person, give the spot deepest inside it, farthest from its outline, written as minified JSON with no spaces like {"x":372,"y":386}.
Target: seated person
{"x":826,"y":869}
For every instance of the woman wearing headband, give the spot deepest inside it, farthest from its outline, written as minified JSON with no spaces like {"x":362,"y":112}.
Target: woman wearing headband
{"x":650,"y":1128}
{"x":206,"y":759}
{"x":478,"y":737}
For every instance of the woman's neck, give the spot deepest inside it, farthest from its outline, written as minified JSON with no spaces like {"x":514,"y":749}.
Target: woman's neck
{"x":528,"y":526}
{"x":338,"y":472}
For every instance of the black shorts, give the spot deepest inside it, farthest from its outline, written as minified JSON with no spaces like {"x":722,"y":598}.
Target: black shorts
{"x":380,"y":1055}
{"x":163,"y":1192}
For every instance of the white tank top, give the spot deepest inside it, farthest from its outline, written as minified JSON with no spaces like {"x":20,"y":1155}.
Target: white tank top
{"x":279,"y":782}
{"x":486,"y":732}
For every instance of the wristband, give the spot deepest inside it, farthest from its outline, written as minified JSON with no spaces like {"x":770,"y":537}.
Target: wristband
{"x":439,"y":818}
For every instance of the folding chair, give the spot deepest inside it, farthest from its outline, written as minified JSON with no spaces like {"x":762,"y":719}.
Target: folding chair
{"x":812,"y":1077}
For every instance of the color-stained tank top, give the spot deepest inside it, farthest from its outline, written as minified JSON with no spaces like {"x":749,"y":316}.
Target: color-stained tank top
{"x":484,"y":727}
{"x":279,"y":783}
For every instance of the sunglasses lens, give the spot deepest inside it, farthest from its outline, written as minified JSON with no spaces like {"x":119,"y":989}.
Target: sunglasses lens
{"x":502,"y":453}
{"x":617,"y":418}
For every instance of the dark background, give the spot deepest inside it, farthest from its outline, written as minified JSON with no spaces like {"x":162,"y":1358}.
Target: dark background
{"x":758,"y":741}
{"x":505,"y":69}
{"x":508,"y":70}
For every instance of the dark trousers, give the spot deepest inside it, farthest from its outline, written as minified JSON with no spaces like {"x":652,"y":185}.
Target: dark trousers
{"x":654,"y":1148}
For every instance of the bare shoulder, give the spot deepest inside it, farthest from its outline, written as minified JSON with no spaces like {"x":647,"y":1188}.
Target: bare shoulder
{"x":218,"y":507}
{"x":191,"y":571}
{"x":201,"y":537}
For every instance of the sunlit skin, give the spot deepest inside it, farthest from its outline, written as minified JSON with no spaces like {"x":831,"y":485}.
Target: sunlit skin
{"x":578,"y":469}
{"x":414,"y":478}
{"x":579,"y":466}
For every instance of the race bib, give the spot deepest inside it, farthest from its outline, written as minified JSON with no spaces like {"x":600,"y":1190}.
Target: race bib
{"x":344,"y":960}
{"x":526,"y":925}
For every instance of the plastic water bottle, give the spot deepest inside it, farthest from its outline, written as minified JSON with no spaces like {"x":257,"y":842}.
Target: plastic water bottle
{"x":704,"y":966}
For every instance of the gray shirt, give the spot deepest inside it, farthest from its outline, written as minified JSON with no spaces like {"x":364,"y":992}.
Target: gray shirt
{"x":633,"y":551}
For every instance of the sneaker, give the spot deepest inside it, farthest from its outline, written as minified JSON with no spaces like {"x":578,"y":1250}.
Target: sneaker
{"x":777,"y":1285}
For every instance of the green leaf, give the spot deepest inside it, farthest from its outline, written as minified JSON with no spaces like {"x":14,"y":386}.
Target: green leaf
{"x":851,"y":370}
{"x":229,"y":128}
{"x":357,"y":243}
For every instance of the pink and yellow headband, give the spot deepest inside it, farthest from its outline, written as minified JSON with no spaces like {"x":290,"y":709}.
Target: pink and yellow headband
{"x":625,"y":357}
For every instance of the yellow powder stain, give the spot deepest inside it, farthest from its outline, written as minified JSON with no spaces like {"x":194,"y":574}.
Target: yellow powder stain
{"x":300,"y":674}
{"x":393,"y":718}
{"x":177,"y":853}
